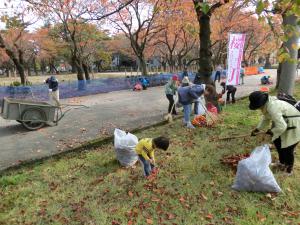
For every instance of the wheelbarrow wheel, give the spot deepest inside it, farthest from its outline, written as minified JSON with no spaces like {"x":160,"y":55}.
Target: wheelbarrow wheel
{"x":32,"y":118}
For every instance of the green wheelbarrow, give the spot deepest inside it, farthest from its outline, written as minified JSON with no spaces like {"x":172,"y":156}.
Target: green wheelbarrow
{"x":33,"y":115}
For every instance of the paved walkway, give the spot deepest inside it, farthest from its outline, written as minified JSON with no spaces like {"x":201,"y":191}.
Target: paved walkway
{"x":123,"y":109}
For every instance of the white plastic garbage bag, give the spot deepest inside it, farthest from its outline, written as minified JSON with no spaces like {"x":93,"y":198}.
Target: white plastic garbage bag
{"x":254,"y":174}
{"x":201,"y":106}
{"x":125,"y":147}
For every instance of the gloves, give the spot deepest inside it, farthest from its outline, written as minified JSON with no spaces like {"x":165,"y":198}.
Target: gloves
{"x":254,"y":132}
{"x":269,"y":132}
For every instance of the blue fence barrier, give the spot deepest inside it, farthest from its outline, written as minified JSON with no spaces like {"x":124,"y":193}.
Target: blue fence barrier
{"x":83,"y":88}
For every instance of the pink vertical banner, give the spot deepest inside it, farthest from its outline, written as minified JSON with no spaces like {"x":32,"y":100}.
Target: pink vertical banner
{"x":235,"y":56}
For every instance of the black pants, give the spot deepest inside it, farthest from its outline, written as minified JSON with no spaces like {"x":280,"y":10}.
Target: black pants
{"x":232,"y":93}
{"x":286,"y":155}
{"x":171,"y":103}
{"x":217,"y":76}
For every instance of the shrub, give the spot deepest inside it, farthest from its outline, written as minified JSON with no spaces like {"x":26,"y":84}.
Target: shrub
{"x":15,"y":84}
{"x":18,"y":83}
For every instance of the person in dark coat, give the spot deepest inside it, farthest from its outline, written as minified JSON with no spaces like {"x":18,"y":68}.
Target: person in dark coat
{"x":53,"y":90}
{"x":231,"y":90}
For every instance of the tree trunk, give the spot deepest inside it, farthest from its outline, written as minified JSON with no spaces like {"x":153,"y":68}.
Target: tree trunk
{"x":52,"y":68}
{"x":171,"y":63}
{"x":98,"y":67}
{"x":288,"y":70}
{"x":268,"y":63}
{"x":86,"y":71}
{"x":43,"y":67}
{"x":14,"y":72}
{"x":78,"y":64}
{"x":35,"y":67}
{"x":7,"y":72}
{"x":19,"y":66}
{"x":81,"y":82}
{"x":180,"y":64}
{"x":21,"y":71}
{"x":278,"y":75}
{"x":143,"y":66}
{"x":205,"y":54}
{"x":28,"y":71}
{"x":79,"y":72}
{"x":74,"y":67}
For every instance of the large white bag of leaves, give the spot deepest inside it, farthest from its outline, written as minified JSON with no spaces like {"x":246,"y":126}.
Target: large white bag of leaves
{"x":125,"y":147}
{"x":254,"y":174}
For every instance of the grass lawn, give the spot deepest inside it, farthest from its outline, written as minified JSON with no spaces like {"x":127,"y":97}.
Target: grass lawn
{"x":192,"y":187}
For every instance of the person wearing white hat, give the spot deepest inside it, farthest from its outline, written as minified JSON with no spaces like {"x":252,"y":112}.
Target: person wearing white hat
{"x":185,"y":82}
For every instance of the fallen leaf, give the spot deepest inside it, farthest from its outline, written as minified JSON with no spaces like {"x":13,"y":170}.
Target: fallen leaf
{"x":227,"y":220}
{"x":42,"y":212}
{"x":154,"y":199}
{"x":53,"y":186}
{"x":115,"y":222}
{"x":97,"y":181}
{"x":203,"y":197}
{"x":112,"y":210}
{"x":212,"y":183}
{"x":219,"y":193}
{"x":130,"y":222}
{"x":130,"y":194}
{"x":261,"y":217}
{"x":293,"y":214}
{"x":170,"y":216}
{"x":149,"y":221}
{"x":209,"y":216}
{"x":182,"y":199}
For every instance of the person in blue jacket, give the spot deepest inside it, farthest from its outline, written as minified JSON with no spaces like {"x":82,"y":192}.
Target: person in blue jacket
{"x":145,"y":83}
{"x":265,"y":80}
{"x":187,"y":95}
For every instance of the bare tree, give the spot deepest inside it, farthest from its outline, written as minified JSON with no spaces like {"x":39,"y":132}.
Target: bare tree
{"x":137,"y":22}
{"x":71,"y":15}
{"x":174,"y":45}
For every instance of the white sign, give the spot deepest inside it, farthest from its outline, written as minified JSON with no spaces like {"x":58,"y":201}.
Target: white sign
{"x":235,"y":56}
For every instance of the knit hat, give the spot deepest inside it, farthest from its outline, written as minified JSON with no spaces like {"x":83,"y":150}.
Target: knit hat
{"x":185,"y":80}
{"x":257,"y":99}
{"x":175,"y":77}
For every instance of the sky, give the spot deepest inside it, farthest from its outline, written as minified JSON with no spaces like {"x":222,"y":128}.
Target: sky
{"x":13,"y":5}
{"x":16,"y":5}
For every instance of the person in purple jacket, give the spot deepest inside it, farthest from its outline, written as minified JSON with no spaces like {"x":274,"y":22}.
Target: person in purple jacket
{"x":187,"y":95}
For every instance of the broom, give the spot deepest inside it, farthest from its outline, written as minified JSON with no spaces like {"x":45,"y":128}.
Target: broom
{"x":238,"y":136}
{"x":206,"y":111}
{"x":169,"y":116}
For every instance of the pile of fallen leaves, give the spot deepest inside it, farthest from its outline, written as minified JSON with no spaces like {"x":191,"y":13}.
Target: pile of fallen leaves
{"x":233,"y":160}
{"x":211,"y":120}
